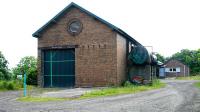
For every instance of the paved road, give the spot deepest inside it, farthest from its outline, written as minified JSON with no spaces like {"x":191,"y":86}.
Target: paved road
{"x":178,"y":96}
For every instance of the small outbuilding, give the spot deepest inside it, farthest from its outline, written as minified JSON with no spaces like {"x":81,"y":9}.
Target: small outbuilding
{"x":77,"y":48}
{"x":174,"y":68}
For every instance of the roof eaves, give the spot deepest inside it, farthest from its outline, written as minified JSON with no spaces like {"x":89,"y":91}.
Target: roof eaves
{"x":129,"y":37}
{"x":54,"y":19}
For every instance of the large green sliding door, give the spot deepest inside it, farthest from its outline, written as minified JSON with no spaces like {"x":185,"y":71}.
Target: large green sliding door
{"x":59,"y":68}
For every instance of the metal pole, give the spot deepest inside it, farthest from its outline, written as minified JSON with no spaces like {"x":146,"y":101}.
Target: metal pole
{"x":188,"y":71}
{"x":51,"y":67}
{"x":184,"y":70}
{"x":150,"y":73}
{"x":24,"y":84}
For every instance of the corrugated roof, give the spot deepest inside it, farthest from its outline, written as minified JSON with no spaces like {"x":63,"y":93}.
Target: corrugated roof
{"x":71,"y":5}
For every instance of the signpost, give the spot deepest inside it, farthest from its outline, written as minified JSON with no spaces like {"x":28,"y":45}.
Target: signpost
{"x":24,"y":84}
{"x":24,"y":72}
{"x":19,"y":77}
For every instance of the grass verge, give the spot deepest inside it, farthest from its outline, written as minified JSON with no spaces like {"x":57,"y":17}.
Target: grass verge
{"x":111,"y":91}
{"x":39,"y":99}
{"x":128,"y":89}
{"x":197,"y":84}
{"x":197,"y":77}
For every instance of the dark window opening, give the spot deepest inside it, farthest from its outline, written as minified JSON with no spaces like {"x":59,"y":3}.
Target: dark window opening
{"x":174,"y":69}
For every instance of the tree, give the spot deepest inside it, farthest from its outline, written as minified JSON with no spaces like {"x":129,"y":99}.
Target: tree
{"x":27,"y":65}
{"x":4,"y":71}
{"x":160,"y":57}
{"x":184,"y":56}
{"x":190,"y":58}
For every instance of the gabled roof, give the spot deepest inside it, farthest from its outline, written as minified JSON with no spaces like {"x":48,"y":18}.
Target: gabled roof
{"x":73,"y":5}
{"x":172,"y":59}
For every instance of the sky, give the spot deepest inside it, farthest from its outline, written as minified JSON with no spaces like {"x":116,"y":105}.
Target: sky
{"x":166,"y":25}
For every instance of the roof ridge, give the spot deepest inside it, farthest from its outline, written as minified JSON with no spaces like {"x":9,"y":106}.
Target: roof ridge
{"x":54,"y":19}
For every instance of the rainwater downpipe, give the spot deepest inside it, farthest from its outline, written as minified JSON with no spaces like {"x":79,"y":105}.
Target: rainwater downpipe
{"x":184,"y":70}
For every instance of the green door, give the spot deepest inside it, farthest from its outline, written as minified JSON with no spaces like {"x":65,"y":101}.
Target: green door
{"x":59,"y":68}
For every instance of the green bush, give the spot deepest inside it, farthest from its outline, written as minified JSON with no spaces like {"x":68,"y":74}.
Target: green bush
{"x":18,"y":83}
{"x":5,"y":84}
{"x":127,"y":84}
{"x":32,"y":78}
{"x":1,"y":85}
{"x":156,"y":82}
{"x":11,"y":85}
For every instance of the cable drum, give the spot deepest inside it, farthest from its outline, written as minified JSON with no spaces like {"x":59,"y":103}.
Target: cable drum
{"x":139,"y":55}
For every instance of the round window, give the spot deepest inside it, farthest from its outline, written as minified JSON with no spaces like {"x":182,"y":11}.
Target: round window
{"x":74,"y":27}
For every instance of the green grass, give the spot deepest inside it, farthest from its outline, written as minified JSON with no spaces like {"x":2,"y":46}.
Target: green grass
{"x":13,"y":85}
{"x":197,"y":77}
{"x":122,"y":90}
{"x":40,"y":99}
{"x":110,"y":91}
{"x":197,"y":84}
{"x":10,"y":85}
{"x":36,"y":90}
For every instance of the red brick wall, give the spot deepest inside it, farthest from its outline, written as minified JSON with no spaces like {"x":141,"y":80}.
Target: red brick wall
{"x":121,"y":59}
{"x":96,"y":55}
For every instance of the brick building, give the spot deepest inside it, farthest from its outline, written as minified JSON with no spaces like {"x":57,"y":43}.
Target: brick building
{"x":77,"y":48}
{"x":175,"y":68}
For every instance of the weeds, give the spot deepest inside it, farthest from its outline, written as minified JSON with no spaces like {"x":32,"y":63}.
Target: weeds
{"x":197,"y":77}
{"x":127,"y":88}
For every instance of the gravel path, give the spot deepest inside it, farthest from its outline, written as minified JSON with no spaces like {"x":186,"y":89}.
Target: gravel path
{"x":178,"y":96}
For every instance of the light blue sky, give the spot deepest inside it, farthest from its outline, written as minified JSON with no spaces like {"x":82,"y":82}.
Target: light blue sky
{"x":167,"y":25}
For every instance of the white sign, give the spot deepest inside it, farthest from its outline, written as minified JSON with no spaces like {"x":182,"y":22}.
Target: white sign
{"x":19,"y":76}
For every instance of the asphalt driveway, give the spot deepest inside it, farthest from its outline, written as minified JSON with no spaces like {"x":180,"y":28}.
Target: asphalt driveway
{"x":178,"y":96}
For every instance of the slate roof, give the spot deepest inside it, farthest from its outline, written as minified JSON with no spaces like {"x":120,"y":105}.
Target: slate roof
{"x":73,"y":5}
{"x":172,"y":59}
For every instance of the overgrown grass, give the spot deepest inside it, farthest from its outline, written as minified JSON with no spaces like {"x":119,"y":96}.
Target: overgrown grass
{"x":12,"y":85}
{"x":127,"y":89}
{"x":197,"y":77}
